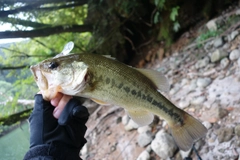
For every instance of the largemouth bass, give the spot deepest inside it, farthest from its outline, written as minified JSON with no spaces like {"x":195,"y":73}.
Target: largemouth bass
{"x":108,"y":81}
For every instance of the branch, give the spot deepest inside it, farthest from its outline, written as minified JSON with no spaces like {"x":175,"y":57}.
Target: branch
{"x":14,"y":67}
{"x":25,"y":23}
{"x":36,"y":6}
{"x":46,"y":31}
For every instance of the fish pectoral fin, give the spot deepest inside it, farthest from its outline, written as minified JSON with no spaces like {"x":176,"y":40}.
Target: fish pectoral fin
{"x":157,"y":78}
{"x":99,"y":101}
{"x":141,"y":117}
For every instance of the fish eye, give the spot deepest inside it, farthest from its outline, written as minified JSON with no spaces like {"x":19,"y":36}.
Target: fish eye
{"x":53,"y":65}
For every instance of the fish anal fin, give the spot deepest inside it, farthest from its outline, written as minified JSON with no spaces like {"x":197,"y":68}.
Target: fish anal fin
{"x":141,"y":117}
{"x":185,"y":135}
{"x":99,"y":101}
{"x":157,"y":78}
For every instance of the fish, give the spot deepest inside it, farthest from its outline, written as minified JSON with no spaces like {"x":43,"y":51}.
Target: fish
{"x":108,"y":81}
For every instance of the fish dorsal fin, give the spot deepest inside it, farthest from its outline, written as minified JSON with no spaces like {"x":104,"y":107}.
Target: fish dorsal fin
{"x":157,"y":78}
{"x":66,"y":50}
{"x":141,"y":117}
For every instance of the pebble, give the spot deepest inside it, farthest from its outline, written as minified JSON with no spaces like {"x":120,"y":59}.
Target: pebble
{"x":203,"y":82}
{"x":125,"y":119}
{"x":202,"y":63}
{"x":144,"y":129}
{"x":235,"y":54}
{"x":226,"y":46}
{"x":211,"y":25}
{"x":225,"y":134}
{"x":131,"y":125}
{"x":144,"y":156}
{"x":233,"y":35}
{"x":237,"y":130}
{"x":207,"y":124}
{"x":218,"y":42}
{"x":218,"y":55}
{"x":198,"y":100}
{"x":238,"y":62}
{"x":224,"y":63}
{"x":163,"y":145}
{"x":144,"y":139}
{"x":183,"y":104}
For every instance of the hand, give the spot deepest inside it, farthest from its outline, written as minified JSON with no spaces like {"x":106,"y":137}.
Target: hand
{"x":61,"y":136}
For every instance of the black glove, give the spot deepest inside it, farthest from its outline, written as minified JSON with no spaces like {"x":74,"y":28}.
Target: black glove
{"x":59,"y":139}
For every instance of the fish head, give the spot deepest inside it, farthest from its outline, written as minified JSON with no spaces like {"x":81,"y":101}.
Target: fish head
{"x":63,"y":74}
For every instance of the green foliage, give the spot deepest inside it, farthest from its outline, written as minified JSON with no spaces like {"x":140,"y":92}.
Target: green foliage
{"x":206,"y":36}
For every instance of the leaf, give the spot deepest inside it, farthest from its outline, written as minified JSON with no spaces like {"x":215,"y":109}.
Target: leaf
{"x":174,"y":13}
{"x":156,"y":18}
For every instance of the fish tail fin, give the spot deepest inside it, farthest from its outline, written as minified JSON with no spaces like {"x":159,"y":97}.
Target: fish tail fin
{"x":187,"y":133}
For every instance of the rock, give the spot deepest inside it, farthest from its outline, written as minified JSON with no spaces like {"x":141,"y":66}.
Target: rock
{"x":226,"y":46}
{"x":131,"y":125}
{"x":218,"y":42}
{"x":175,"y":89}
{"x":144,"y":139}
{"x":144,"y":129}
{"x":224,"y":134}
{"x":185,"y":154}
{"x":144,"y":156}
{"x":237,"y":130}
{"x":202,"y":63}
{"x":163,"y":145}
{"x":235,"y":54}
{"x":238,"y":62}
{"x":218,"y":55}
{"x":224,"y":63}
{"x":203,"y":82}
{"x":215,"y":114}
{"x":183,"y":104}
{"x":198,"y":100}
{"x":125,"y":119}
{"x":211,"y":25}
{"x":207,"y":124}
{"x":232,"y":36}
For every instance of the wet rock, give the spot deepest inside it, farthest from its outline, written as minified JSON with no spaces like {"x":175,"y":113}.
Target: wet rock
{"x":218,"y":42}
{"x":224,"y":63}
{"x":234,"y":55}
{"x":144,"y":139}
{"x":203,"y":82}
{"x":163,"y":145}
{"x":202,"y":63}
{"x":237,"y":130}
{"x":131,"y":125}
{"x":224,"y":134}
{"x":218,"y":55}
{"x":144,"y":156}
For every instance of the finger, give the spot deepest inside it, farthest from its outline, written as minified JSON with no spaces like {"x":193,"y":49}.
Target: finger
{"x":62,"y":103}
{"x":55,"y":101}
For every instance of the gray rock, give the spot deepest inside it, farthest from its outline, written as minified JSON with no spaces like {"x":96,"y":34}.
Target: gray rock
{"x":144,"y":129}
{"x":163,"y":145}
{"x":224,"y":134}
{"x":198,"y":100}
{"x":218,"y":42}
{"x":234,"y":55}
{"x":144,"y":139}
{"x":125,"y":119}
{"x":144,"y":156}
{"x":207,"y":124}
{"x":203,"y":82}
{"x":202,"y":63}
{"x":224,"y":63}
{"x":226,"y":46}
{"x":211,"y":25}
{"x":183,"y":104}
{"x":232,"y":36}
{"x":238,"y":62}
{"x":218,"y":55}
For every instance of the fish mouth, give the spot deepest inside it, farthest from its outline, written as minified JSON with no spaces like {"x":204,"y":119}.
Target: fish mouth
{"x":39,"y":77}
